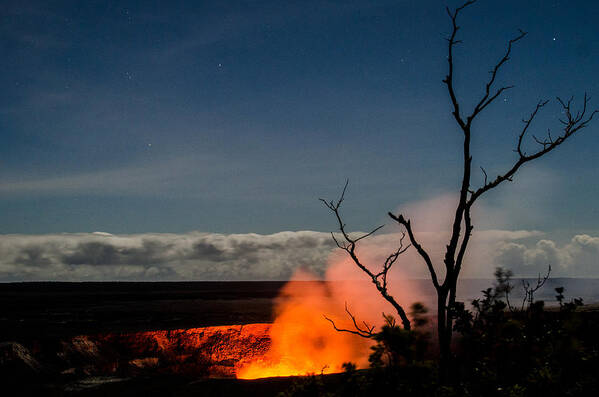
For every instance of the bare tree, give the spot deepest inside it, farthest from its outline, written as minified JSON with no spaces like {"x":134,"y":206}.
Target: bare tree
{"x":379,"y":279}
{"x":529,"y":290}
{"x":446,"y":289}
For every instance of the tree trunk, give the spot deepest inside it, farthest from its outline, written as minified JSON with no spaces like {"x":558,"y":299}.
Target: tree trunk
{"x":444,"y":331}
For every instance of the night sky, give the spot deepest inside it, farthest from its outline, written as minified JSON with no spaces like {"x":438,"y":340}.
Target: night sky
{"x":235,"y":117}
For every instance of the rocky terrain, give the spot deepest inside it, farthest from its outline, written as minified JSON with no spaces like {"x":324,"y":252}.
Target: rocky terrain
{"x":195,"y":352}
{"x":73,"y":338}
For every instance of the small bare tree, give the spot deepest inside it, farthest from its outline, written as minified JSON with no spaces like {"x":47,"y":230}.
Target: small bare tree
{"x":446,"y":289}
{"x":529,"y":289}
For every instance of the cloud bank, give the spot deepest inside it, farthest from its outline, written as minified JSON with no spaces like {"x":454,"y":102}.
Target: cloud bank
{"x":577,"y":258}
{"x":209,"y":256}
{"x":189,"y":256}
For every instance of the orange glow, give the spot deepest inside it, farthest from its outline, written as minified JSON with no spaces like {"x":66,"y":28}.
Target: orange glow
{"x":212,"y":351}
{"x":302,"y":340}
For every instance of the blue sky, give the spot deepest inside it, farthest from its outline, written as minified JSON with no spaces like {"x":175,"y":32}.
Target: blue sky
{"x":235,"y":117}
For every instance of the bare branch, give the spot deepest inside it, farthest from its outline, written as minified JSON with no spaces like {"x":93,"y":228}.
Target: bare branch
{"x":330,"y":204}
{"x":485,"y":173}
{"x":527,"y":123}
{"x":408,"y":226}
{"x":452,"y":42}
{"x":376,"y":229}
{"x":487,"y":98}
{"x":572,"y":124}
{"x":346,"y":330}
{"x":366,"y":332}
{"x":391,"y":260}
{"x":349,"y":246}
{"x":530,"y":291}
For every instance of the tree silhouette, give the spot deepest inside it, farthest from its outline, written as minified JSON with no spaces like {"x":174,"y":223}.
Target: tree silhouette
{"x":462,"y":227}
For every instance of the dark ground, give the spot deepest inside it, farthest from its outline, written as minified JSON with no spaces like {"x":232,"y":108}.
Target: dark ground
{"x":52,"y":311}
{"x":55,"y":309}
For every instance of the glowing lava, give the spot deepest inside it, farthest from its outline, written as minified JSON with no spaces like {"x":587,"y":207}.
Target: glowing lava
{"x":302,"y":340}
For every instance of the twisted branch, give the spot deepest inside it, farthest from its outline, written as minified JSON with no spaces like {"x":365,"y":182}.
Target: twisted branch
{"x":366,"y":332}
{"x":572,"y":124}
{"x":349,"y":245}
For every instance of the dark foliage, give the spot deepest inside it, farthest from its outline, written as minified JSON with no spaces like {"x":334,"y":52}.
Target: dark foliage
{"x":531,"y":350}
{"x":502,"y":349}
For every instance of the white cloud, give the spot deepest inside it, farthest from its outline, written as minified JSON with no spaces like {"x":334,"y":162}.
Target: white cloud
{"x":210,"y":256}
{"x":190,"y":256}
{"x":577,"y":258}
